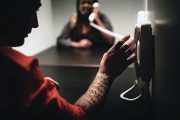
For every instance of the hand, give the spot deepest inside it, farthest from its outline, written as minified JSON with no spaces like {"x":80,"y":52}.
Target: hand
{"x":84,"y":43}
{"x":96,"y":10}
{"x":118,"y":57}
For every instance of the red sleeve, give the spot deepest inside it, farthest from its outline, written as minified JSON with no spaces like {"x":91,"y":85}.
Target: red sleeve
{"x":53,"y":105}
{"x":30,"y":93}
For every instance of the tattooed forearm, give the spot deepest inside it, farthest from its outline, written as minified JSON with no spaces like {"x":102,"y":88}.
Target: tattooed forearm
{"x":94,"y":96}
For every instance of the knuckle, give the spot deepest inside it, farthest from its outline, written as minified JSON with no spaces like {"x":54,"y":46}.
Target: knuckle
{"x":126,"y":46}
{"x":105,"y":54}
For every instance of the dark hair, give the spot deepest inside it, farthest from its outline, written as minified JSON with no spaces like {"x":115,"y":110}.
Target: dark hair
{"x":9,"y":9}
{"x":78,"y":4}
{"x":80,"y":17}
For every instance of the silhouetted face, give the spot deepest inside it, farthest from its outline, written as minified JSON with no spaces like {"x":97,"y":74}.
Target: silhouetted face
{"x":15,"y":24}
{"x":20,"y":23}
{"x":86,"y":7}
{"x":23,"y":26}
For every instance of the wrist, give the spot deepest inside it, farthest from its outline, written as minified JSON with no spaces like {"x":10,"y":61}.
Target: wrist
{"x":104,"y":76}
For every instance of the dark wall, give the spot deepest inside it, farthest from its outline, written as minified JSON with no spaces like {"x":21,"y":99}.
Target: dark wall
{"x":166,"y":96}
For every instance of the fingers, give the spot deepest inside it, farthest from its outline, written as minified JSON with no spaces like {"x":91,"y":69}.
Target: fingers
{"x":130,"y":55}
{"x":127,"y":45}
{"x":131,"y":59}
{"x":130,"y":51}
{"x":119,"y":44}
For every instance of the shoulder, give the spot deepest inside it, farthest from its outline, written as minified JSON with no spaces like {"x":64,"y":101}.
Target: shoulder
{"x":103,"y":17}
{"x":16,"y":61}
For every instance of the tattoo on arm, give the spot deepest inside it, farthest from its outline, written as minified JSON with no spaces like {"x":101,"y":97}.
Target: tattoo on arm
{"x":96,"y":93}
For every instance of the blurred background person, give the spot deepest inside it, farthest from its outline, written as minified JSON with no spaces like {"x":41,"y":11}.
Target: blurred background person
{"x":78,"y":33}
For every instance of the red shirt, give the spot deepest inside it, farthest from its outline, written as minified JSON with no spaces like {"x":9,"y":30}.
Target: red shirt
{"x":27,"y":94}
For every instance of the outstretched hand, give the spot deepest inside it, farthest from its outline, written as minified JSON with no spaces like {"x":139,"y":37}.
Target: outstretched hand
{"x":118,"y":57}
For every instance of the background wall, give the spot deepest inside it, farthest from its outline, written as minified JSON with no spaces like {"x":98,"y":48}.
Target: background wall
{"x":54,"y":14}
{"x":40,"y":38}
{"x":122,"y":13}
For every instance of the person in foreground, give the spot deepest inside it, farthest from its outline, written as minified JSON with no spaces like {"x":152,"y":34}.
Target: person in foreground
{"x":26,"y":94}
